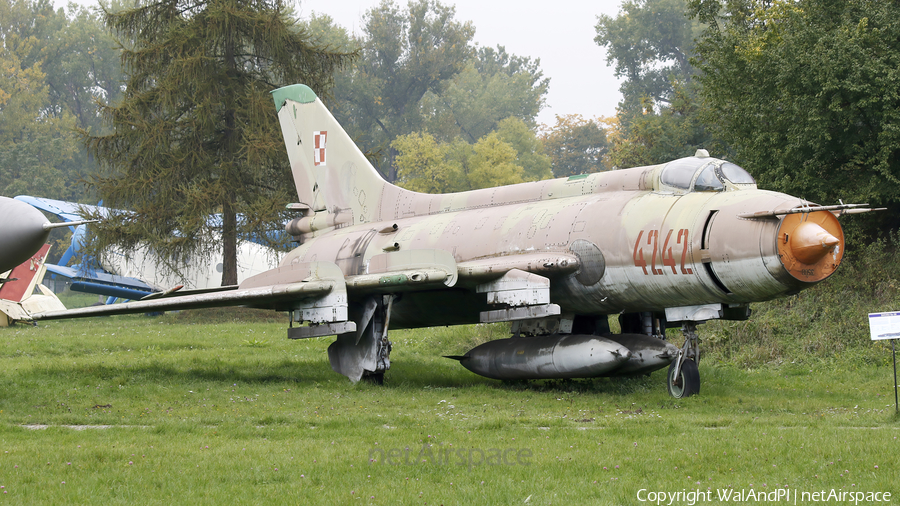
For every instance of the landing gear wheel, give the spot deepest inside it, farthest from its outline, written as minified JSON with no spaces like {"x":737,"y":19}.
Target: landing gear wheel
{"x":687,"y":383}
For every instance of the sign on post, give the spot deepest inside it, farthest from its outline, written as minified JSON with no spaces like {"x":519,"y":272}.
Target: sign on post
{"x":887,"y":326}
{"x":884,"y":325}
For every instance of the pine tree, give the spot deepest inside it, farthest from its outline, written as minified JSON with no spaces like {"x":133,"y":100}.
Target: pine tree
{"x":195,"y":134}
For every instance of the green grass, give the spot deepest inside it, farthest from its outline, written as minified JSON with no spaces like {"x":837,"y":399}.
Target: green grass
{"x":208,"y":410}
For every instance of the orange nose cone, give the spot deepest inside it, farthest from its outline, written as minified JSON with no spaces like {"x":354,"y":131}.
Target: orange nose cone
{"x":810,"y":243}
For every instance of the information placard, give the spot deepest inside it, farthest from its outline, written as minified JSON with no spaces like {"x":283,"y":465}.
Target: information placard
{"x":884,"y":325}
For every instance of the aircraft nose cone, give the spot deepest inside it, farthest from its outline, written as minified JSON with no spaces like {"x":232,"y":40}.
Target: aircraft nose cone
{"x":810,"y":243}
{"x":21,"y":232}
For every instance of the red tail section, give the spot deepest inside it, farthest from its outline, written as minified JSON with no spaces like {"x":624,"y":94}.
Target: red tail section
{"x":26,"y":277}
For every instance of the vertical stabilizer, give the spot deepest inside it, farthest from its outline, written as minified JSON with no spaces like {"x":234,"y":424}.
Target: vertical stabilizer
{"x":26,"y":276}
{"x":332,"y":175}
{"x":18,"y":300}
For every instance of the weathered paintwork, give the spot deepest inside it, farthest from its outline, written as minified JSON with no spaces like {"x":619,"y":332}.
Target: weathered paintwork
{"x":545,"y":357}
{"x":642,"y":244}
{"x":568,"y":356}
{"x":648,"y":353}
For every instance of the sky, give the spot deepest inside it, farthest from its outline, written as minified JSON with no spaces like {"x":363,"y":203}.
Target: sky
{"x":561,"y":34}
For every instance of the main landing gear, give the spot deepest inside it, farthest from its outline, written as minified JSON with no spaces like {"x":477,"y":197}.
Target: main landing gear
{"x":365,"y":352}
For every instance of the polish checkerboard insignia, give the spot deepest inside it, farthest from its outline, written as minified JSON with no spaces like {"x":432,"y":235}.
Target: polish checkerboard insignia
{"x":319,"y":147}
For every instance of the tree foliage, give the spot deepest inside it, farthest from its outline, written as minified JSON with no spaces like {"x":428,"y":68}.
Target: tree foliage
{"x":54,"y":67}
{"x":420,"y":71}
{"x":530,"y":152}
{"x":663,"y":134}
{"x":195,"y":133}
{"x":511,"y":154}
{"x":32,"y":146}
{"x":422,"y":165}
{"x":651,"y":43}
{"x":576,"y":145}
{"x":83,"y":66}
{"x":807,"y":94}
{"x":493,"y":86}
{"x":493,"y":163}
{"x":404,"y":55}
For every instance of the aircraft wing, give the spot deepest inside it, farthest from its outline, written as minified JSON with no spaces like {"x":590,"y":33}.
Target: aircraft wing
{"x":318,"y":290}
{"x":102,"y":283}
{"x":272,"y":296}
{"x":285,"y":288}
{"x":66,"y":211}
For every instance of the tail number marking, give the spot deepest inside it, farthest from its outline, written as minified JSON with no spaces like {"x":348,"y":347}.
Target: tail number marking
{"x":666,"y":254}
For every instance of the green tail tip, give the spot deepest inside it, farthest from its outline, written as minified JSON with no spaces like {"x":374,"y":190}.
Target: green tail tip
{"x":296,"y":92}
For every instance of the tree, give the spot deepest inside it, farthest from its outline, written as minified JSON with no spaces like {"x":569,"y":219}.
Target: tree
{"x":419,"y":72}
{"x":422,"y":166}
{"x":195,"y":133}
{"x":663,"y":134}
{"x":35,"y":141}
{"x":651,"y":43}
{"x":64,"y":63}
{"x":576,"y":145}
{"x":325,"y":33}
{"x":493,"y":86}
{"x":404,"y":55}
{"x":83,"y":67}
{"x":493,"y":163}
{"x":529,"y":148}
{"x":806,"y":93}
{"x":427,"y":165}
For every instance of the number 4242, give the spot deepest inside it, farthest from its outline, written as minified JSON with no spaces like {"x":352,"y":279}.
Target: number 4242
{"x":666,"y":254}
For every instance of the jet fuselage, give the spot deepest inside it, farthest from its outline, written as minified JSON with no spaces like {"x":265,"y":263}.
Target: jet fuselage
{"x":640,"y":245}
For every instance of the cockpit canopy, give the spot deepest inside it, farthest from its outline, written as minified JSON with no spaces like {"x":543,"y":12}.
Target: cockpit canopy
{"x":701,"y":173}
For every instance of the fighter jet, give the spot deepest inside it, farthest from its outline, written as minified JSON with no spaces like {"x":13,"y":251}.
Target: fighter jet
{"x":668,"y":245}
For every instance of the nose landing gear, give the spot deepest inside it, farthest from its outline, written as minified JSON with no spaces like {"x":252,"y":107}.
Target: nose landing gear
{"x":683,"y":379}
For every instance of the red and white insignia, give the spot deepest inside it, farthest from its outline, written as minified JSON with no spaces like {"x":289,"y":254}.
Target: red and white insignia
{"x":319,"y":147}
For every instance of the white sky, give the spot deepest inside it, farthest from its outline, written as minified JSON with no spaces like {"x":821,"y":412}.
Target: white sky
{"x":560,"y":33}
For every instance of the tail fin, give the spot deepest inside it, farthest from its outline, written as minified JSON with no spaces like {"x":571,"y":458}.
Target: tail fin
{"x":331,"y":174}
{"x":24,"y":277}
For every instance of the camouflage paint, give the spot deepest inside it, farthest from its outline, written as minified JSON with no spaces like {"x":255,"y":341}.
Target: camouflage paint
{"x":632,"y":242}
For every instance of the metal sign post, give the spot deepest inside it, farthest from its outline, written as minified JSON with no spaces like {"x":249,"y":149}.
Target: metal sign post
{"x":887,"y":326}
{"x":894,"y":353}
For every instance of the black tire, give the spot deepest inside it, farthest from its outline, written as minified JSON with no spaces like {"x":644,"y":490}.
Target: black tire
{"x":687,"y":383}
{"x":374,"y":378}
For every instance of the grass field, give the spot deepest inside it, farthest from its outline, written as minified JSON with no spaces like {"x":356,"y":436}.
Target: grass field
{"x":220,"y":408}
